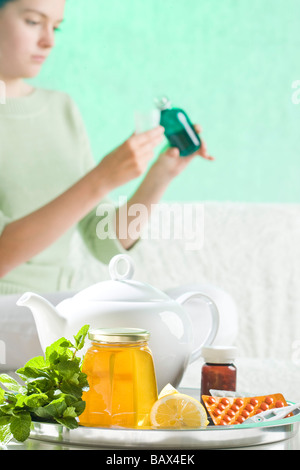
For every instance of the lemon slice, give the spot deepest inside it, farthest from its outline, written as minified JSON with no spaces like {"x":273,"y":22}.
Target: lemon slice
{"x":167,"y":390}
{"x":177,"y":410}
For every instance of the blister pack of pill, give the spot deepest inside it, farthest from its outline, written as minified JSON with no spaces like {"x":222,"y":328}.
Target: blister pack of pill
{"x":235,"y":410}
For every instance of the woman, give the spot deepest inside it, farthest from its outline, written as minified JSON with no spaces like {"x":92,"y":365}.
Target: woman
{"x":48,"y":180}
{"x":49,"y":183}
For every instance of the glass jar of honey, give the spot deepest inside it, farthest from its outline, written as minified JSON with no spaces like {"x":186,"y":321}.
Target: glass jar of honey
{"x":121,"y":376}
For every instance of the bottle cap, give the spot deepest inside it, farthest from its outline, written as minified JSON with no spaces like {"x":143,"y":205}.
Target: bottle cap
{"x":162,"y":102}
{"x":219,"y":354}
{"x":119,"y":335}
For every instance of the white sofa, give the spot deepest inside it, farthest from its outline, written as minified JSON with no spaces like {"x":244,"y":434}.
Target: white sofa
{"x":250,"y":251}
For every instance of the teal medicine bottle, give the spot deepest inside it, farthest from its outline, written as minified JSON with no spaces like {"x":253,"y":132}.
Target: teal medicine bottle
{"x":178,"y":128}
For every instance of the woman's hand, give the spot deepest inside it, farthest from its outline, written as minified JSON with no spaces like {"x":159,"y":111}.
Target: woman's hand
{"x":171,"y":164}
{"x":168,"y":165}
{"x":130,"y":160}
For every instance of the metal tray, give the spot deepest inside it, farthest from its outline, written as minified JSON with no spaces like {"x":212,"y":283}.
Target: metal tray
{"x":212,"y":437}
{"x":209,"y":438}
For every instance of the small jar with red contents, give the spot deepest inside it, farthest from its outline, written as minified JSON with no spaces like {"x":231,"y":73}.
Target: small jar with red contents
{"x":219,"y":371}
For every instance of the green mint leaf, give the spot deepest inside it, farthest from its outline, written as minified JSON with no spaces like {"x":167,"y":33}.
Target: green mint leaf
{"x":32,"y":401}
{"x":35,"y":367}
{"x":28,"y":372}
{"x":20,"y":426}
{"x":10,"y":383}
{"x":36,"y":362}
{"x":7,"y":407}
{"x":68,"y":422}
{"x":70,"y":412}
{"x":79,"y":407}
{"x":71,"y":389}
{"x":55,"y":409}
{"x":2,"y":393}
{"x":4,"y":420}
{"x":5,"y":432}
{"x":81,"y":336}
{"x":40,"y":385}
{"x":69,"y":370}
{"x":58,"y":350}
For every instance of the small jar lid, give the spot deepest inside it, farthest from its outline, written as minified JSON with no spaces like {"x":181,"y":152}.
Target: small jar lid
{"x":119,"y":335}
{"x":219,"y":354}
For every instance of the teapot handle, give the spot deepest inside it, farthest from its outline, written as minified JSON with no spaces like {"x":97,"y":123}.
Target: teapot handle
{"x":215,"y":320}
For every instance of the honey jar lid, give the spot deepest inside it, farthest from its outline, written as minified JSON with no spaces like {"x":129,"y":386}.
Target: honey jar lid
{"x":219,"y":354}
{"x":119,"y":335}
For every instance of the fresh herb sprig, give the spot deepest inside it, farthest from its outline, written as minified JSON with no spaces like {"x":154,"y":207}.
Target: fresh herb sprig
{"x":52,"y":390}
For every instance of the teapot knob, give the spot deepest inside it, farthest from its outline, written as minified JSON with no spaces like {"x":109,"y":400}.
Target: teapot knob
{"x":114,"y":268}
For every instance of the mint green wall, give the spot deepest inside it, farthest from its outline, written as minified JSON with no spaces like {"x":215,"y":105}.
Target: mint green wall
{"x":229,"y":63}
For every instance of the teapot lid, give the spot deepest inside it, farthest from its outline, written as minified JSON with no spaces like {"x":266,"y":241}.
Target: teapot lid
{"x":121,"y":287}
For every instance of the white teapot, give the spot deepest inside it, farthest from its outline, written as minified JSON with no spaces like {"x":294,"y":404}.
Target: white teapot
{"x":123,"y":302}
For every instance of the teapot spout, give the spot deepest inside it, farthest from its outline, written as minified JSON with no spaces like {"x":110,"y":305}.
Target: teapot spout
{"x":49,"y":323}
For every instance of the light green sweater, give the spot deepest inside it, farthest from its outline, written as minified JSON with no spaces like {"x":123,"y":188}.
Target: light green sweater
{"x":44,"y":149}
